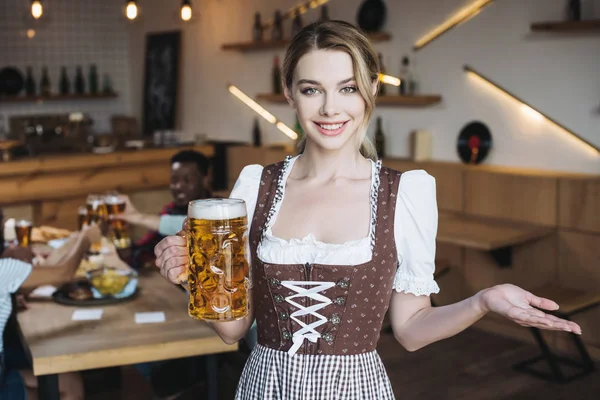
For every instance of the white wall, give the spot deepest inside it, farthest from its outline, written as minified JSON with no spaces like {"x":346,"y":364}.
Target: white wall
{"x":556,"y":73}
{"x":70,"y":33}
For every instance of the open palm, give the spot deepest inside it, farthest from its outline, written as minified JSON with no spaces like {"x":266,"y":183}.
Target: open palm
{"x":523,"y":307}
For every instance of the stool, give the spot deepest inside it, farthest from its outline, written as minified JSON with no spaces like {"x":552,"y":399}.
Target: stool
{"x":571,"y":302}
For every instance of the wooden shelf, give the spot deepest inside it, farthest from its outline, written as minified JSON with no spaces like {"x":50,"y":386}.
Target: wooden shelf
{"x":405,"y":101}
{"x":484,"y":234}
{"x":282,"y":44}
{"x":410,"y":101}
{"x":567,"y":26}
{"x":57,"y":97}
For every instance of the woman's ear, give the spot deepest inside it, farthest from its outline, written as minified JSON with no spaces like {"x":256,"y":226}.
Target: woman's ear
{"x":374,"y":86}
{"x":288,"y":95}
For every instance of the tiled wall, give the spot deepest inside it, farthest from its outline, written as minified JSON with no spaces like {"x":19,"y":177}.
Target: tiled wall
{"x":70,"y":33}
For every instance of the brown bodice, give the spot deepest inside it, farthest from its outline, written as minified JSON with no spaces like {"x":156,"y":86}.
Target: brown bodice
{"x":352,"y":299}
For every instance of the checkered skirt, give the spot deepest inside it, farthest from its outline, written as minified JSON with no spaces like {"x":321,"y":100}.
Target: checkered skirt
{"x":274,"y":375}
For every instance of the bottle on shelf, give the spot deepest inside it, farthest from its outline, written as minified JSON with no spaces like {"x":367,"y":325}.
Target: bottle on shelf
{"x":79,"y":82}
{"x":256,"y":134}
{"x":382,"y":89}
{"x":257,"y":29}
{"x":29,"y":83}
{"x":379,"y":140}
{"x":574,"y":10}
{"x":276,"y":76}
{"x":324,"y":13}
{"x":93,"y":80}
{"x":277,"y":30}
{"x":65,"y":85}
{"x":408,"y":85}
{"x":296,"y":23}
{"x":45,"y":83}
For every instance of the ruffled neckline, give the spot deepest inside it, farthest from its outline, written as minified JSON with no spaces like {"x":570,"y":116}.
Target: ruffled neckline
{"x":310,"y":240}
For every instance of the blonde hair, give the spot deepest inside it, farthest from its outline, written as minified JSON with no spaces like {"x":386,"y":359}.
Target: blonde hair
{"x":341,"y":36}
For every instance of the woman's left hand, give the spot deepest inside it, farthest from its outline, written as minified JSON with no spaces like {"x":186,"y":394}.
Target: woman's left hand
{"x":521,"y":306}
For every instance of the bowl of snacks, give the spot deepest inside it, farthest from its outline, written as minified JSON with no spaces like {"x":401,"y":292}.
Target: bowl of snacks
{"x":112,"y":282}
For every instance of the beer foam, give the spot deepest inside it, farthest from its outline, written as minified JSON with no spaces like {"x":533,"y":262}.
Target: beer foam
{"x":217,"y":209}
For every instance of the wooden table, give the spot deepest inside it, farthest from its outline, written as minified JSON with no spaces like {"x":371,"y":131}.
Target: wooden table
{"x":57,"y":344}
{"x":496,"y":237}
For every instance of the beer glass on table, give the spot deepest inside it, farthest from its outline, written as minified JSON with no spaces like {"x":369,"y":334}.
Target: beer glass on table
{"x":115,"y":205}
{"x":218,"y":274}
{"x":23,"y":229}
{"x":97,"y":214}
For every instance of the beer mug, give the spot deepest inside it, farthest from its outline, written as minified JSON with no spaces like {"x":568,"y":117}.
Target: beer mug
{"x":218,"y":274}
{"x":115,"y":205}
{"x":23,"y":232}
{"x":96,"y":209}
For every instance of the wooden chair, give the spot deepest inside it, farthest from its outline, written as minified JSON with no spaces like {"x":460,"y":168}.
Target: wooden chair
{"x":571,"y":302}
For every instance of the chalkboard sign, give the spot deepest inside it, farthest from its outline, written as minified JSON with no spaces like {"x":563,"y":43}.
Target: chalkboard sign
{"x":161,"y":81}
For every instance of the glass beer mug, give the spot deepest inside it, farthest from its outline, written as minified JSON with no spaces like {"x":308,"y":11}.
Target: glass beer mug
{"x":218,"y":274}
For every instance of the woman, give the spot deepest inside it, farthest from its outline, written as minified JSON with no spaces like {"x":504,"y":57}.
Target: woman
{"x":336,"y":238}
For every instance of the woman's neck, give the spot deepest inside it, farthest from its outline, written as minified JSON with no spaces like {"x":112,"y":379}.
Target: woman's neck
{"x":326,"y":165}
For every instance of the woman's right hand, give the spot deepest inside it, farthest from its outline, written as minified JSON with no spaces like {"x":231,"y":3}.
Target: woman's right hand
{"x":172,"y":257}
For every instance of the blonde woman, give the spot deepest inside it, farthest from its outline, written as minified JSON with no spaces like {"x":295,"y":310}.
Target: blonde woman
{"x":336,"y":239}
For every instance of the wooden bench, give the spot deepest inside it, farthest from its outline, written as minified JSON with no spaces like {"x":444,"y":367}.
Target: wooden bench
{"x":571,"y":302}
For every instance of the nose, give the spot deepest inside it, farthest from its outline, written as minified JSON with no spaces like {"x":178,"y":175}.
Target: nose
{"x":330,"y":107}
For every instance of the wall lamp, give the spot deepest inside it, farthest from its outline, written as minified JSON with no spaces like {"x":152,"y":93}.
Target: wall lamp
{"x":262,"y":112}
{"x":531,"y":111}
{"x":459,"y":17}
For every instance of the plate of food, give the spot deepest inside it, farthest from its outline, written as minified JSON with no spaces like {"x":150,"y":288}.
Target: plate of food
{"x":104,"y":285}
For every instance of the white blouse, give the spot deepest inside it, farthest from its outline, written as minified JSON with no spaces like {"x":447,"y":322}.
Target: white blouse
{"x":415,"y":227}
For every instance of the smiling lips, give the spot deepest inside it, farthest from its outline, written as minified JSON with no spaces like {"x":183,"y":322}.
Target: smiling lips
{"x":331,"y":128}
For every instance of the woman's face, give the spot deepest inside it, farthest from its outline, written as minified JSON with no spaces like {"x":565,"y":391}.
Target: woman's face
{"x":326,"y":98}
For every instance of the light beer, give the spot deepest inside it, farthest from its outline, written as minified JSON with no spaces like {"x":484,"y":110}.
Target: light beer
{"x":115,"y":205}
{"x":96,"y":208}
{"x":218,"y":275}
{"x":23,"y":232}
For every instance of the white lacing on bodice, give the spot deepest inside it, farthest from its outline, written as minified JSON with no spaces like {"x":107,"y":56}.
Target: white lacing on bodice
{"x":307,"y":331}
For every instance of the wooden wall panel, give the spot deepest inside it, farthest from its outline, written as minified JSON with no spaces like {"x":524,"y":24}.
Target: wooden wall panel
{"x":516,"y":197}
{"x":579,"y":204}
{"x":240,"y":156}
{"x":59,"y":213}
{"x":448,"y":178}
{"x":534,"y":263}
{"x":21,"y":211}
{"x":579,"y":268}
{"x":80,"y":183}
{"x":452,"y":285}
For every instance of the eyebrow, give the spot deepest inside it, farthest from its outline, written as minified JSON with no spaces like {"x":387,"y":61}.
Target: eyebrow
{"x":311,"y":82}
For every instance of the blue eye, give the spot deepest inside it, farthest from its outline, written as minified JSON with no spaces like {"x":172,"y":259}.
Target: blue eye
{"x":309,"y":91}
{"x":349,"y":89}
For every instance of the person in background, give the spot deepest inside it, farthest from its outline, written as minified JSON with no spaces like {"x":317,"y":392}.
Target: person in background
{"x":190,"y":180}
{"x":18,"y":271}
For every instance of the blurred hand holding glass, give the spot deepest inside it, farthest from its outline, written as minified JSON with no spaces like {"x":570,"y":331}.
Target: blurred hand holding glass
{"x":218,"y":274}
{"x":115,"y":204}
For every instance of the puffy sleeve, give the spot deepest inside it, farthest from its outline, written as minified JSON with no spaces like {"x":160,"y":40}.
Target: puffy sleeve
{"x":415,"y":228}
{"x":246,"y":187}
{"x":12,"y":274}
